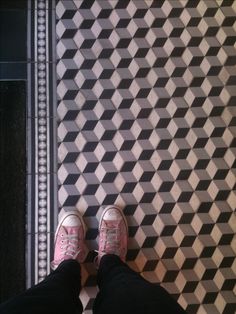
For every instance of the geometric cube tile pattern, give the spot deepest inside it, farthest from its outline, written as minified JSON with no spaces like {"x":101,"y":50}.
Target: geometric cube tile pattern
{"x":147,"y":121}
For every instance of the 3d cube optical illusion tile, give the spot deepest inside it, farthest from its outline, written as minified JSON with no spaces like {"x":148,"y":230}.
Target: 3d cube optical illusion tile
{"x":147,"y":121}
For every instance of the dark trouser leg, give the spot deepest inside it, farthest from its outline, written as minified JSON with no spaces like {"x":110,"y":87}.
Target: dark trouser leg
{"x":124,"y":291}
{"x":58,"y":293}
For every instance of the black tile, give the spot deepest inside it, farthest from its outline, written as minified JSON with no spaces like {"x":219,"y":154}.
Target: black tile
{"x":12,"y":186}
{"x":150,"y":265}
{"x":209,"y":274}
{"x":108,"y":135}
{"x":224,"y":217}
{"x":210,"y":297}
{"x":159,"y":42}
{"x":165,"y":165}
{"x":91,"y":234}
{"x":13,"y":4}
{"x":71,"y":157}
{"x":146,"y":154}
{"x":168,"y":231}
{"x":127,"y":145}
{"x":175,"y":12}
{"x":70,"y":74}
{"x":129,"y":187}
{"x":123,"y":23}
{"x":71,"y":179}
{"x":109,"y":177}
{"x":158,"y":22}
{"x":188,"y":241}
{"x":185,"y":197}
{"x":13,"y":71}
{"x":149,"y":242}
{"x":104,"y":14}
{"x":147,"y":176}
{"x":147,"y":197}
{"x":186,"y":218}
{"x":141,"y":33}
{"x":87,"y":4}
{"x":206,"y":229}
{"x":204,"y":207}
{"x":170,"y":276}
{"x":207,"y":251}
{"x":70,"y":136}
{"x":71,"y":115}
{"x":176,"y":32}
{"x":194,"y":21}
{"x":132,"y":254}
{"x":144,"y":113}
{"x":105,"y":33}
{"x":228,"y":284}
{"x":13,"y":35}
{"x":91,"y":167}
{"x":69,"y":54}
{"x":184,"y":175}
{"x":87,"y":44}
{"x":123,"y":43}
{"x":190,"y":287}
{"x":202,"y":163}
{"x":189,"y":263}
{"x":226,"y":239}
{"x":169,"y":252}
{"x":91,"y":211}
{"x":166,"y":186}
{"x":182,"y":154}
{"x":69,"y":33}
{"x":140,"y":13}
{"x":68,"y":14}
{"x":109,"y":199}
{"x":130,"y":210}
{"x":108,"y":156}
{"x":91,"y":189}
{"x":203,"y":185}
{"x":126,"y":124}
{"x":164,"y":144}
{"x":167,"y":208}
{"x":71,"y":200}
{"x":227,"y":262}
{"x":87,"y":24}
{"x":181,"y":133}
{"x":148,"y":220}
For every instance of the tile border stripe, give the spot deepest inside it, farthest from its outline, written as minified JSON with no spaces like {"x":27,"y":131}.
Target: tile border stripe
{"x":42,"y":203}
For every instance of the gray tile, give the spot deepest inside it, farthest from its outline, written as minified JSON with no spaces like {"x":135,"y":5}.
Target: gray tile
{"x":155,"y":117}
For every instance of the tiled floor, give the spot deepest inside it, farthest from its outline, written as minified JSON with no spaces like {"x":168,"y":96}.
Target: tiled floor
{"x":147,"y":120}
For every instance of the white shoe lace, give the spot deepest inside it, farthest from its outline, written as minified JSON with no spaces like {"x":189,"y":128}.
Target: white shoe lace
{"x":110,"y":243}
{"x":70,"y":247}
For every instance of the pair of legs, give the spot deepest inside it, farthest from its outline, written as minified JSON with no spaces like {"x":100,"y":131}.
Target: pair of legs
{"x":121,"y":290}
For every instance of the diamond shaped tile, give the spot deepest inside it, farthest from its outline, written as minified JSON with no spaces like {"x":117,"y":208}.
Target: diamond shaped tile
{"x":147,"y":121}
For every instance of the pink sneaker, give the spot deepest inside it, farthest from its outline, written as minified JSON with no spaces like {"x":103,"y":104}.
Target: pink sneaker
{"x":113,"y":233}
{"x":69,"y":238}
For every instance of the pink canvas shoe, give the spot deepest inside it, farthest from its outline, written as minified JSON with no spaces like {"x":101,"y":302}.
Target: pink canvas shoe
{"x":69,"y":238}
{"x":113,"y":233}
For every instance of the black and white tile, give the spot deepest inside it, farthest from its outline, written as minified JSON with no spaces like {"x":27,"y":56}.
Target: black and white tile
{"x":146,"y":108}
{"x":42,"y":204}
